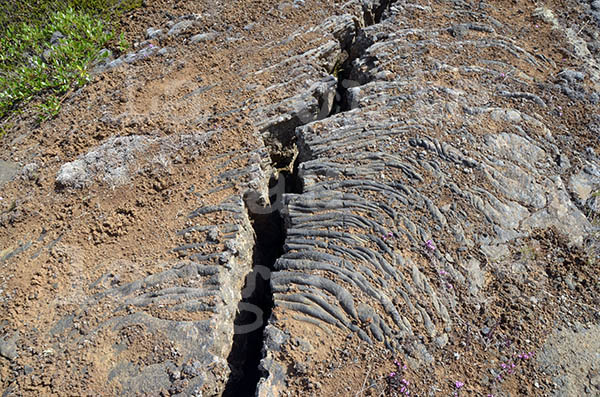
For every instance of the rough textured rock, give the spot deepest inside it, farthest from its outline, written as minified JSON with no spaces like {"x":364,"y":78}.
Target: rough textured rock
{"x":411,"y":165}
{"x":8,"y":347}
{"x":572,"y":358}
{"x":423,"y":156}
{"x":190,"y":305}
{"x":203,"y":37}
{"x":107,"y":62}
{"x":8,"y":170}
{"x":180,"y":27}
{"x":110,"y":162}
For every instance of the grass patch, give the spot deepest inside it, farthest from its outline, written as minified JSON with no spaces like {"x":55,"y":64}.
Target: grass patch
{"x":47,"y":46}
{"x":36,"y":12}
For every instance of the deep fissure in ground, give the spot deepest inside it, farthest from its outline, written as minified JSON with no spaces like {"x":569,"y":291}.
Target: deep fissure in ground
{"x":268,"y":222}
{"x":247,"y":348}
{"x":347,"y":77}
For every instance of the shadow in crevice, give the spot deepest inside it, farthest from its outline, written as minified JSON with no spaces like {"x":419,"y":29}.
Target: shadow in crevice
{"x":254,"y":310}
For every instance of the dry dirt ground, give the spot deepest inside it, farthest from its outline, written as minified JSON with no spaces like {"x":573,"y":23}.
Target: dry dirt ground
{"x":57,"y":244}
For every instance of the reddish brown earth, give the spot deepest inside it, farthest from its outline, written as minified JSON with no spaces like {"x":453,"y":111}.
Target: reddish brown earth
{"x":71,"y":238}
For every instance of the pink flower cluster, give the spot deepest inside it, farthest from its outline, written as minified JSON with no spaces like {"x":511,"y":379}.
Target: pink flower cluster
{"x":525,"y":356}
{"x":430,"y":245}
{"x":396,"y":383}
{"x":444,"y":275}
{"x":509,"y":367}
{"x":458,"y":384}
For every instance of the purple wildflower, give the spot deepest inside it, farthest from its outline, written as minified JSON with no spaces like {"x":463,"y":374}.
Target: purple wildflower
{"x":430,"y":245}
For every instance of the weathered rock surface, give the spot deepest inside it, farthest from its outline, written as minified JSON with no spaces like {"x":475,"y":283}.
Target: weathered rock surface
{"x":189,"y":306}
{"x":572,"y":358}
{"x":8,"y":347}
{"x":113,"y":161}
{"x":428,"y":150}
{"x":110,"y":162}
{"x":416,"y":161}
{"x":8,"y":170}
{"x":186,"y":311}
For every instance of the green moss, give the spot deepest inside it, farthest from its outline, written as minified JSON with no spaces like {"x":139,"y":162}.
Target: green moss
{"x":4,"y":129}
{"x":31,"y":67}
{"x":337,"y":69}
{"x":36,"y":12}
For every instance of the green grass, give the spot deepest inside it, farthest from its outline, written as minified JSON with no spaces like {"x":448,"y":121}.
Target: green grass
{"x":33,"y":69}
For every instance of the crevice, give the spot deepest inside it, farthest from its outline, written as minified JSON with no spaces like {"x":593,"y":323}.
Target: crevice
{"x":255,"y":307}
{"x":345,"y":73}
{"x":346,"y":80}
{"x":347,"y":77}
{"x":254,"y":310}
{"x":280,"y":141}
{"x":375,"y":15}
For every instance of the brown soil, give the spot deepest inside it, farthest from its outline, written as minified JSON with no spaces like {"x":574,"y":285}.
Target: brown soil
{"x":71,"y":238}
